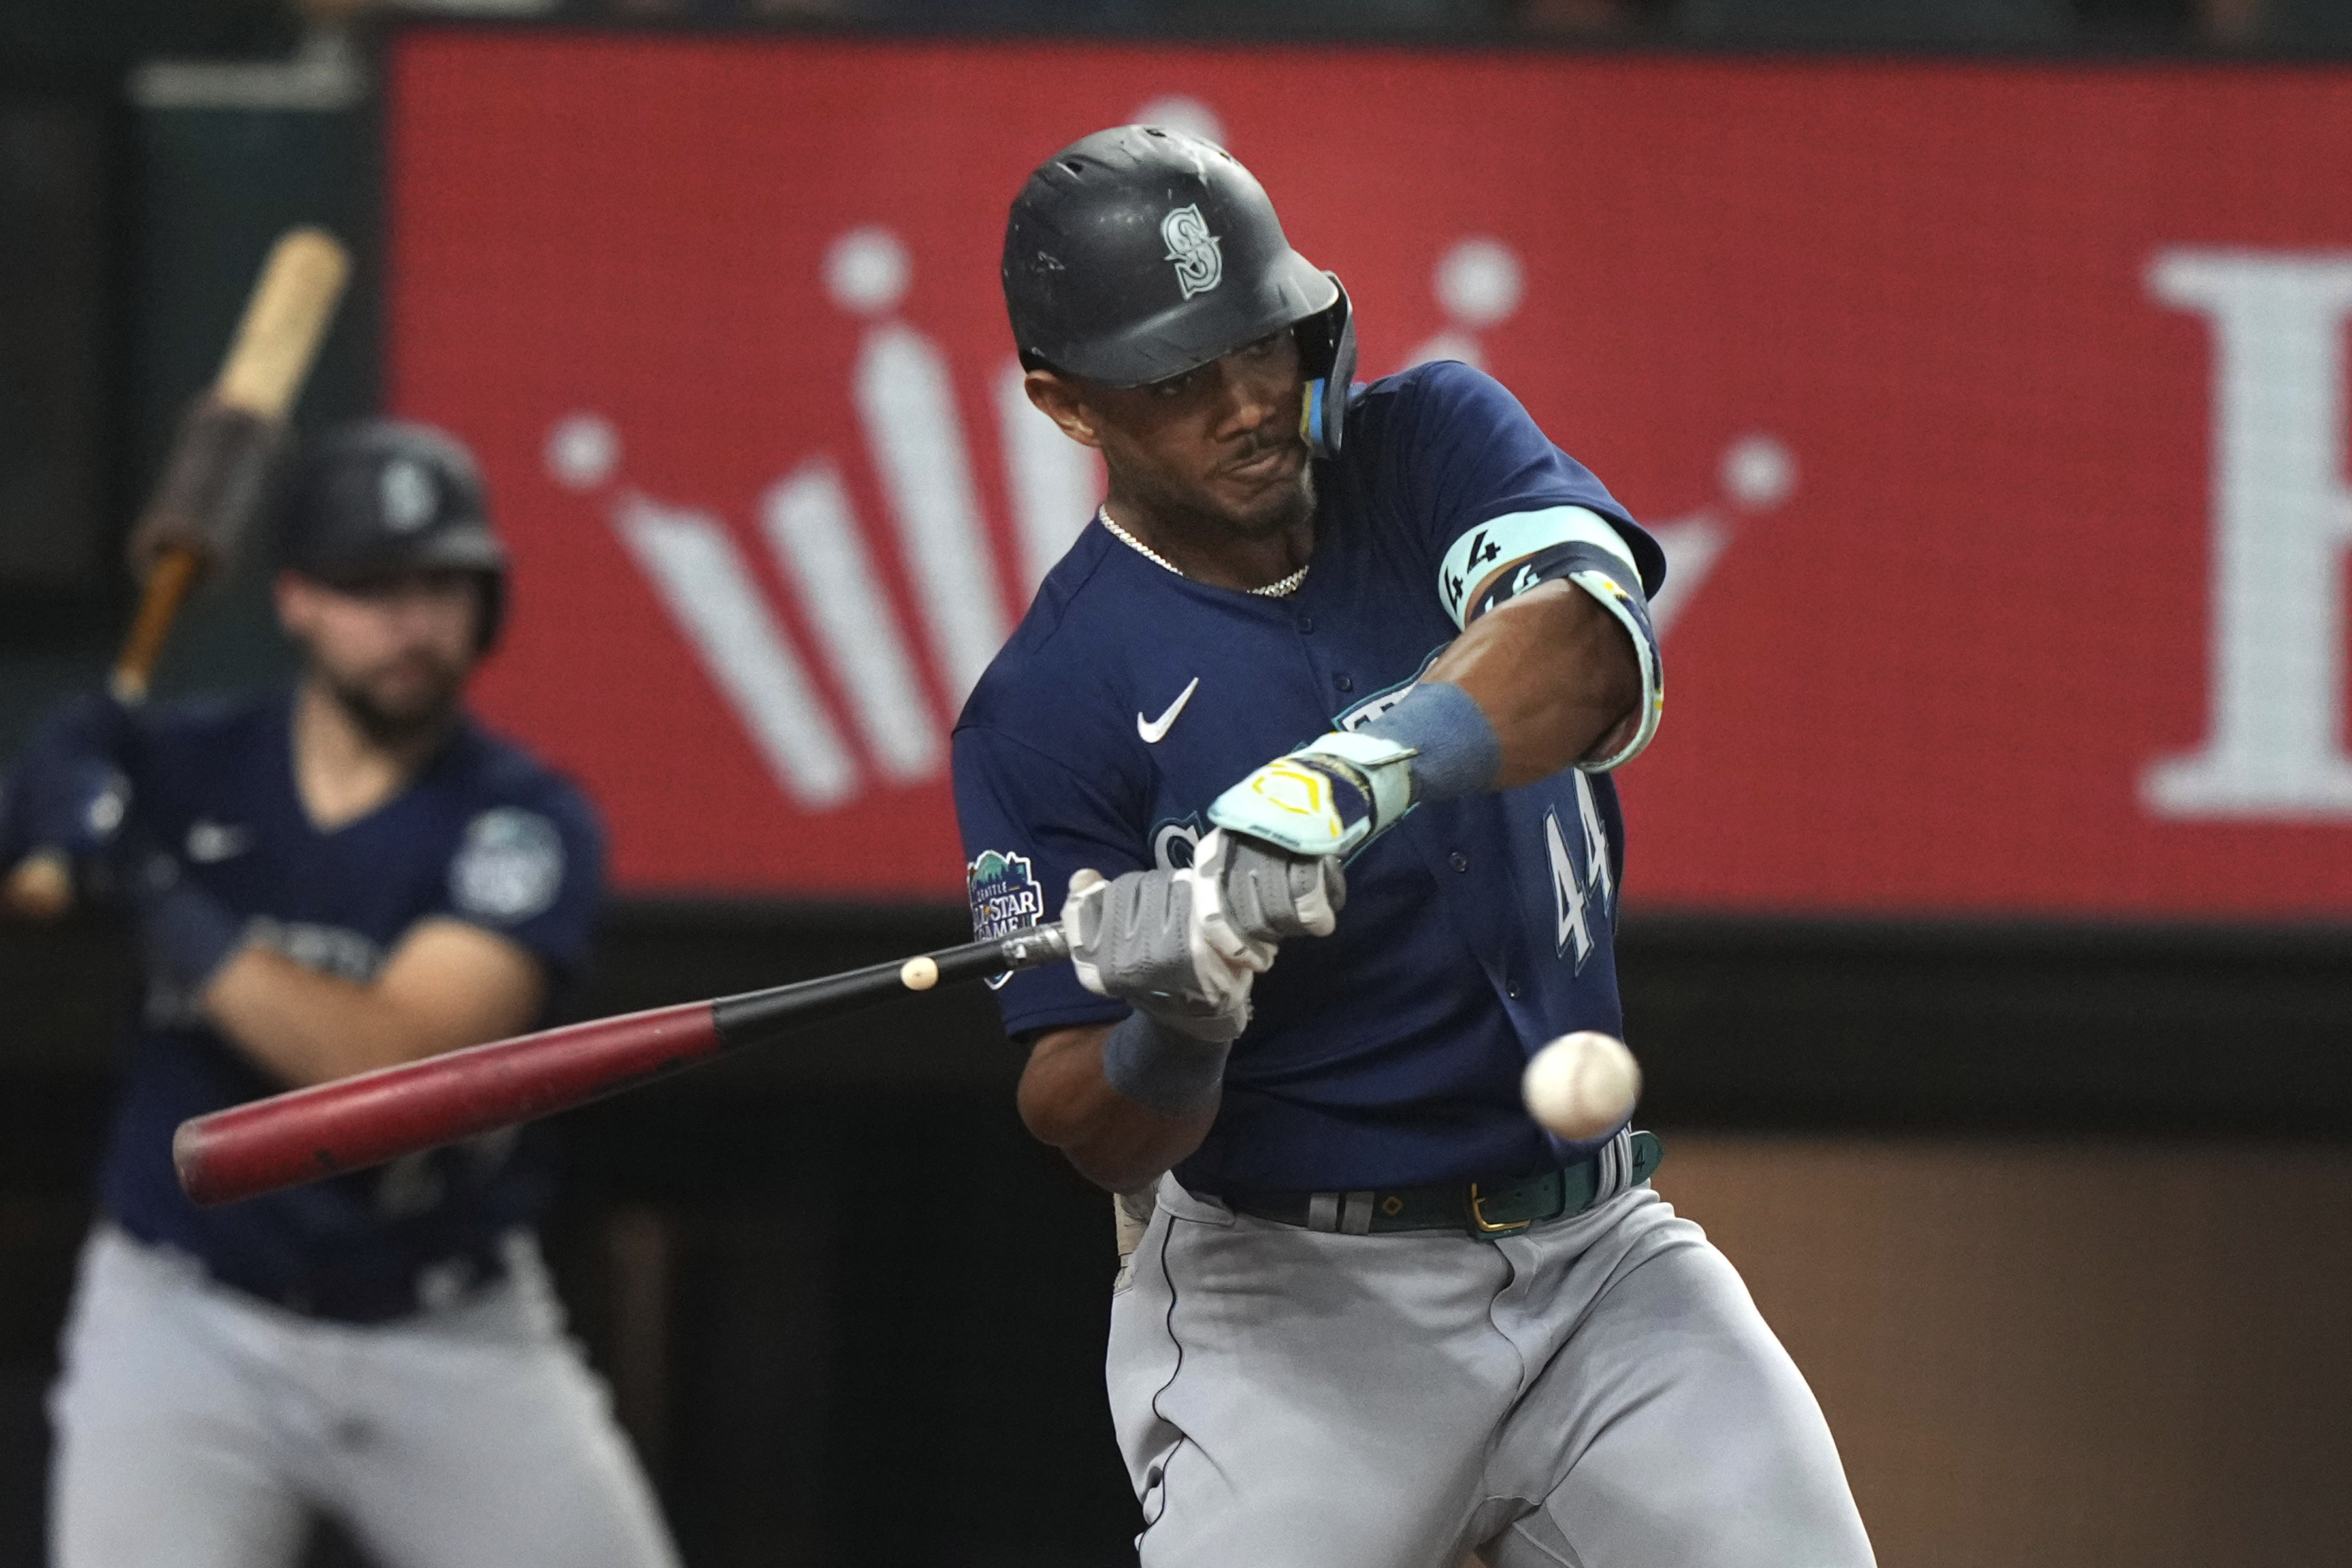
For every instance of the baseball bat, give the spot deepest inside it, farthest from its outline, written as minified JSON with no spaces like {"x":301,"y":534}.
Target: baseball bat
{"x":308,"y":1134}
{"x":213,"y":481}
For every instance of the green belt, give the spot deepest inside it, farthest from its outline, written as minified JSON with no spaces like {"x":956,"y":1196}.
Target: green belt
{"x":1484,"y":1209}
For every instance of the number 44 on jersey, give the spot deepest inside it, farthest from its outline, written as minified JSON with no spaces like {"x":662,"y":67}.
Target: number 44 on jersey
{"x":1580,"y":892}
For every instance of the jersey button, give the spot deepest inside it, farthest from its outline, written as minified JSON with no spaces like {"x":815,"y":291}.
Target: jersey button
{"x":1458,"y":861}
{"x":1344,"y":682}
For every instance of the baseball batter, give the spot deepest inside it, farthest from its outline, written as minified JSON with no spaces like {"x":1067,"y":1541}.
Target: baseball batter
{"x":327,"y":881}
{"x":1309,"y":738}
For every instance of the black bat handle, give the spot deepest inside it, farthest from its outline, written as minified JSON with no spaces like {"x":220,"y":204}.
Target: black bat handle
{"x":758,"y":1015}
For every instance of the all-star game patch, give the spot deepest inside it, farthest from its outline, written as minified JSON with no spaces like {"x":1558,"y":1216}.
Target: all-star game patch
{"x":1006,"y":898}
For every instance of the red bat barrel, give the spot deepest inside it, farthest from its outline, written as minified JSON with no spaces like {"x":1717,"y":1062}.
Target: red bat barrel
{"x":356,"y":1123}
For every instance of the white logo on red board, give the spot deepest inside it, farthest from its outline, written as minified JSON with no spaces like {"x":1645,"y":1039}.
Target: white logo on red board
{"x":2274,"y":744}
{"x":891,"y":722}
{"x":887,"y":727}
{"x":1479,"y":284}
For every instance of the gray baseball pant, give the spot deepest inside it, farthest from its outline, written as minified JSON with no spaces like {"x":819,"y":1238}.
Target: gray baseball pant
{"x":1596,"y":1392}
{"x":198,"y":1428}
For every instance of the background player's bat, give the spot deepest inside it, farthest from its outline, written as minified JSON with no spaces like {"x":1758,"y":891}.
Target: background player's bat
{"x":213,"y":481}
{"x":310,"y":1133}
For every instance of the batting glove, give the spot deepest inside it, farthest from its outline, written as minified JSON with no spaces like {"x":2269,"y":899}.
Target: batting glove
{"x":1145,"y":938}
{"x":68,"y":793}
{"x":1266,"y":896}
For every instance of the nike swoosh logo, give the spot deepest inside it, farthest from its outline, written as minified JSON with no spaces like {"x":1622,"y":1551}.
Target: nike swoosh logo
{"x":1151,"y":730}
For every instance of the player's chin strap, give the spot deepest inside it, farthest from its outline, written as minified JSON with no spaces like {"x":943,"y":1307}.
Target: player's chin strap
{"x":1323,"y":414}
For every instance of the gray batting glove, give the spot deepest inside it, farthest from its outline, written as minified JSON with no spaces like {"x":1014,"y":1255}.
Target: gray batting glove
{"x":1145,"y":939}
{"x":1268,"y":894}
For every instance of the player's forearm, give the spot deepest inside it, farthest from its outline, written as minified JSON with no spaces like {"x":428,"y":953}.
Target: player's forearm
{"x":1555,"y":674}
{"x":1113,"y":1142}
{"x":1542,"y":681}
{"x":304,"y":1027}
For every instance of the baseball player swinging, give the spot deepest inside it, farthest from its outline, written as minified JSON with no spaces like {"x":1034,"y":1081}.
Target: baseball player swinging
{"x":327,"y":881}
{"x":1376,"y":1317}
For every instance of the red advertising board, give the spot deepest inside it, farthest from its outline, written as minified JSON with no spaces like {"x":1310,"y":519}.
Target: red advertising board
{"x":1993,"y":415}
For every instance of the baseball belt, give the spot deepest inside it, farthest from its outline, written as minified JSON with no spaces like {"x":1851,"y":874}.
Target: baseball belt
{"x":1484,"y":1209}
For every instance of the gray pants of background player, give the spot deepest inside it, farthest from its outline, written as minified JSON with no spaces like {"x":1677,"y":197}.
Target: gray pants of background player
{"x":197,"y":1427}
{"x":1597,"y":1391}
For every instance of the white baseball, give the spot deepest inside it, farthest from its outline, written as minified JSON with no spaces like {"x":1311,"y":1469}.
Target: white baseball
{"x":1581,"y":1085}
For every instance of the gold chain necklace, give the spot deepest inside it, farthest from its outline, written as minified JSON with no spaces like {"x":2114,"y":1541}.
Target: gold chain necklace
{"x":1280,"y":589}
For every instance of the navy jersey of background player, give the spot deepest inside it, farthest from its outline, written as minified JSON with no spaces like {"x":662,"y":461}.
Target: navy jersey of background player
{"x":1475,"y":930}
{"x":484,"y":834}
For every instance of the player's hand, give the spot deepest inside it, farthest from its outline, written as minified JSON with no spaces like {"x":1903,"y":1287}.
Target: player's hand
{"x":1269,"y":896}
{"x":1329,"y":797}
{"x":1159,"y":941}
{"x":69,"y":794}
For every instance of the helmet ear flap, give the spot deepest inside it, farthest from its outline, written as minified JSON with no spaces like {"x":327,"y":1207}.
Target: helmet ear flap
{"x":1329,"y":347}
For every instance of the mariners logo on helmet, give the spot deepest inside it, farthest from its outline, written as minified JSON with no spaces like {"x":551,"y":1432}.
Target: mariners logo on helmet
{"x":406,"y":492}
{"x":1200,"y":261}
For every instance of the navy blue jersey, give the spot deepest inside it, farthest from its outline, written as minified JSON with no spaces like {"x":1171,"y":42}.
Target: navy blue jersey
{"x":1475,"y":930}
{"x":484,"y":834}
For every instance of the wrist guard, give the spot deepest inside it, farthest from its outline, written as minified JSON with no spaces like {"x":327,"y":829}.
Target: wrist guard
{"x":1329,"y":797}
{"x":1166,"y":1072}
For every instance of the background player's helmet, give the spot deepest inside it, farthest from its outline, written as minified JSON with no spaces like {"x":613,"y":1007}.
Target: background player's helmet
{"x":1140,"y":253}
{"x":381,"y":496}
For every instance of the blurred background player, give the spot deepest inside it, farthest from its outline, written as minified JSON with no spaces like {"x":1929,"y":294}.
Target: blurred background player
{"x":327,"y":881}
{"x":1376,"y":1317}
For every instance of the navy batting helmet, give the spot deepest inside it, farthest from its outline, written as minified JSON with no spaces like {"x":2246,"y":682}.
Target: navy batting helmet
{"x":1140,"y":253}
{"x":381,"y":496}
